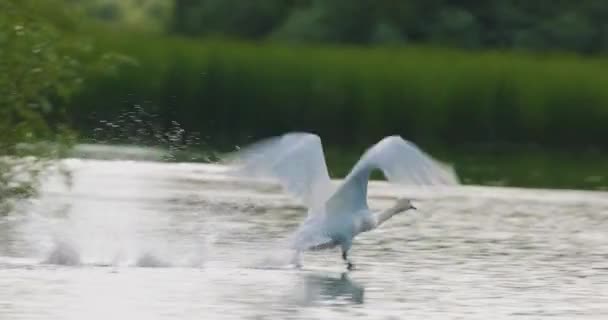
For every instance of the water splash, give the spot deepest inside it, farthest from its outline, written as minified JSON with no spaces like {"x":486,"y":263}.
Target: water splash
{"x":149,"y":260}
{"x":63,"y":253}
{"x":139,"y":128}
{"x":108,"y":218}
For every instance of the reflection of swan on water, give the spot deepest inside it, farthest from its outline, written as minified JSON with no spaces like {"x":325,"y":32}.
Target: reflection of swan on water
{"x":337,"y":215}
{"x":328,"y":288}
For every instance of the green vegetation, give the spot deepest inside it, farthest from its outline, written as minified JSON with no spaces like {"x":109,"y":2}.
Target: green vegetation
{"x":538,"y":25}
{"x":149,"y":15}
{"x":503,"y":118}
{"x":436,"y":72}
{"x":40,"y":68}
{"x":31,"y":73}
{"x":234,"y":92}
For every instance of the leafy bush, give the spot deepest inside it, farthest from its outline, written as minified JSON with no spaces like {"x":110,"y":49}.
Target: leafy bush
{"x":41,"y":66}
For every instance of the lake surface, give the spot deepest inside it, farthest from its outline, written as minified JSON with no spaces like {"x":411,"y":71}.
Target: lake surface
{"x":151,"y":240}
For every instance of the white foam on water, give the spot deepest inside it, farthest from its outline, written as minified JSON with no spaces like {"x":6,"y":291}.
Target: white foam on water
{"x":104,"y":218}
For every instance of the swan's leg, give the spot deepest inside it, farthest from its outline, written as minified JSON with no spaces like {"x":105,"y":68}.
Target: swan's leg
{"x":349,"y":264}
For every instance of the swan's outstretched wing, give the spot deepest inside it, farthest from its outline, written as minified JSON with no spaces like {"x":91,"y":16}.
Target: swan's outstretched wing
{"x":296,"y":160}
{"x":400,"y":161}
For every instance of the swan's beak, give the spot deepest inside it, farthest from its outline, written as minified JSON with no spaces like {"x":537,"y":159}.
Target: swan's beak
{"x":412,"y":207}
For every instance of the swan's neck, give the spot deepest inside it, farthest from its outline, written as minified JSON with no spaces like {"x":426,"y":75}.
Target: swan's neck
{"x":361,"y":179}
{"x":387,"y":214}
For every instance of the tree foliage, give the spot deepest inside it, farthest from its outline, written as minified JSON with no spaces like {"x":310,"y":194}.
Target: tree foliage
{"x":545,"y":25}
{"x":41,"y":65}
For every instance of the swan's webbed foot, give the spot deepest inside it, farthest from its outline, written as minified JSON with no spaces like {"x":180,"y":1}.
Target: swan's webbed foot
{"x":350,"y":266}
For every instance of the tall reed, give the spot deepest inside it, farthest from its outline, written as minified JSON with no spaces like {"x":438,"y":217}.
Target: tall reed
{"x":234,"y":91}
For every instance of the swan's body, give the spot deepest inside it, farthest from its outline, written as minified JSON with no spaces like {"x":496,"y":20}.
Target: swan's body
{"x":337,"y":214}
{"x":326,"y":231}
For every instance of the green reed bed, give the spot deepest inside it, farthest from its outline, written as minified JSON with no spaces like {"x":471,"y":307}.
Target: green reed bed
{"x":232,"y":91}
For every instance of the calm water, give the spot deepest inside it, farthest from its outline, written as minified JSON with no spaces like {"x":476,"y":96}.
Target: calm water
{"x":144,"y":240}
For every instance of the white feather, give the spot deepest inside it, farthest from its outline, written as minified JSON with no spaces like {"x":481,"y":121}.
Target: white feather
{"x":337,"y":215}
{"x":400,"y":161}
{"x":295,"y":160}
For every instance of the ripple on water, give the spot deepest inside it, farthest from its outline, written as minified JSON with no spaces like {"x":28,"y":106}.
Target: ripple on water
{"x":159,"y":241}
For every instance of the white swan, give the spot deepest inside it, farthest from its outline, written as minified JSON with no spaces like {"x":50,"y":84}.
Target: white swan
{"x":336,"y":214}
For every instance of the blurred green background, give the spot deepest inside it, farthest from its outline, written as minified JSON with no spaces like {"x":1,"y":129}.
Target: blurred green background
{"x":511,"y":92}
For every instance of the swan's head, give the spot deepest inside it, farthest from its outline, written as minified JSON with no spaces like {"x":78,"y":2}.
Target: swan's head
{"x":404,"y":205}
